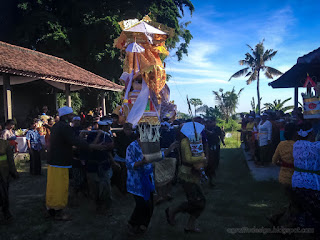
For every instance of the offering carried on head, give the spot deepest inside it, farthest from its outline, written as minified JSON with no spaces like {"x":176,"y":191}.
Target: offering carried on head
{"x":193,"y":130}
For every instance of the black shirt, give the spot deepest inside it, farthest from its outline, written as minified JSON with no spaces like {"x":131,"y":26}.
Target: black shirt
{"x":121,"y":143}
{"x":213,"y":136}
{"x":98,"y":158}
{"x":167,"y":137}
{"x":62,"y":139}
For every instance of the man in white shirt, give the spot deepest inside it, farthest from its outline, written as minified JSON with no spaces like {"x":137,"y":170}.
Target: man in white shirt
{"x":265,"y":134}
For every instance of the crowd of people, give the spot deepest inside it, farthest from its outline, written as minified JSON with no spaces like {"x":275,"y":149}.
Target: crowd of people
{"x":291,"y":142}
{"x":86,"y":156}
{"x":262,"y":134}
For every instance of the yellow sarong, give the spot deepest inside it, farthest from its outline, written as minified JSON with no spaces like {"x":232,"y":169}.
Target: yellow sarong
{"x":57,"y":188}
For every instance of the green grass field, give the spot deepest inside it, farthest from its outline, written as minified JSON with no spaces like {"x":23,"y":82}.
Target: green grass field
{"x":233,"y":141}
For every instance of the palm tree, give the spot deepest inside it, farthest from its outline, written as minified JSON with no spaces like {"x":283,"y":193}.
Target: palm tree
{"x":181,"y":115}
{"x":254,"y":107}
{"x":202,"y":109}
{"x":211,"y":112}
{"x":256,"y":63}
{"x":227,"y":102}
{"x":279,"y":105}
{"x":195,"y":102}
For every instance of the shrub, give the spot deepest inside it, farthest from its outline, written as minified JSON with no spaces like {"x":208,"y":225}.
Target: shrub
{"x":230,"y":126}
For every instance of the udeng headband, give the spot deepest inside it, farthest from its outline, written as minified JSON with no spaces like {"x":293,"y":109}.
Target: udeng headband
{"x":304,"y":133}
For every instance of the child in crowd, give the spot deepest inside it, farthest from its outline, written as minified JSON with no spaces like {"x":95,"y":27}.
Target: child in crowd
{"x":34,"y":147}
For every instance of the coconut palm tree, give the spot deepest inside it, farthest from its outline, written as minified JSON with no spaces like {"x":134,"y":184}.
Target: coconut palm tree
{"x":279,"y":105}
{"x":211,"y":112}
{"x":256,"y":63}
{"x":195,"y":102}
{"x":254,"y":106}
{"x":202,"y":109}
{"x":227,"y":102}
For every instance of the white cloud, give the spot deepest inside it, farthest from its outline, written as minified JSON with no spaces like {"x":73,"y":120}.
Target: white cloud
{"x":182,"y":81}
{"x":276,"y":27}
{"x":220,"y":42}
{"x":284,"y":68}
{"x":199,"y":55}
{"x":200,"y":73}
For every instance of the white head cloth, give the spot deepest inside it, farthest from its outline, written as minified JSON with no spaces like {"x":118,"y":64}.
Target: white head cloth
{"x":64,"y":111}
{"x":188,"y":129}
{"x":304,"y":133}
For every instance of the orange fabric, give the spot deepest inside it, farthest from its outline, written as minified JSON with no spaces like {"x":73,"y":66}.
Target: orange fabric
{"x":284,"y":153}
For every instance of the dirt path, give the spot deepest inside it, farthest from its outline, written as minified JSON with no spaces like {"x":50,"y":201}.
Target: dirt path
{"x":236,"y":201}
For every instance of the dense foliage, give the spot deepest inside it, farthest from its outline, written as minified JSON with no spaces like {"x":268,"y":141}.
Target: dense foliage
{"x":230,"y":126}
{"x":227,"y":102}
{"x":254,"y":106}
{"x":83,"y":32}
{"x":184,"y":116}
{"x":195,"y":102}
{"x":278,"y":105}
{"x":76,"y":102}
{"x":223,"y":111}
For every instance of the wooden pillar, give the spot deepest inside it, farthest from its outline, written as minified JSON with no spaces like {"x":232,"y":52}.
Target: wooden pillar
{"x":56,"y":100}
{"x":296,"y":96}
{"x":7,"y":98}
{"x":103,"y":104}
{"x":68,"y":96}
{"x":108,"y":106}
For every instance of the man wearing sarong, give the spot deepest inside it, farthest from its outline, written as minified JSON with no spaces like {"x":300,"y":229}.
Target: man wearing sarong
{"x":265,"y":143}
{"x":214,"y":137}
{"x":7,"y":169}
{"x":190,"y":178}
{"x":140,"y":183}
{"x":62,"y":140}
{"x":99,"y":169}
{"x":78,"y":173}
{"x":121,"y":142}
{"x":165,"y":169}
{"x":250,"y":136}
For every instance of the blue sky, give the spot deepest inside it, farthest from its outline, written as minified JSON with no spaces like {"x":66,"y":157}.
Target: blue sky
{"x":221,"y":30}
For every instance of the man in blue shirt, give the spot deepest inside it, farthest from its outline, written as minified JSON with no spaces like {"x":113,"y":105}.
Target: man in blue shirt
{"x":34,"y":147}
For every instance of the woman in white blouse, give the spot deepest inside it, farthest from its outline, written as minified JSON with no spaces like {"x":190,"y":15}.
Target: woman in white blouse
{"x":265,"y":133}
{"x":306,"y":177}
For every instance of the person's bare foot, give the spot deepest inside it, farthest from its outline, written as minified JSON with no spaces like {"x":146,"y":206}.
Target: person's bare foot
{"x":62,"y":216}
{"x":211,"y":184}
{"x":159,"y":200}
{"x":169,"y":197}
{"x":8,"y":218}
